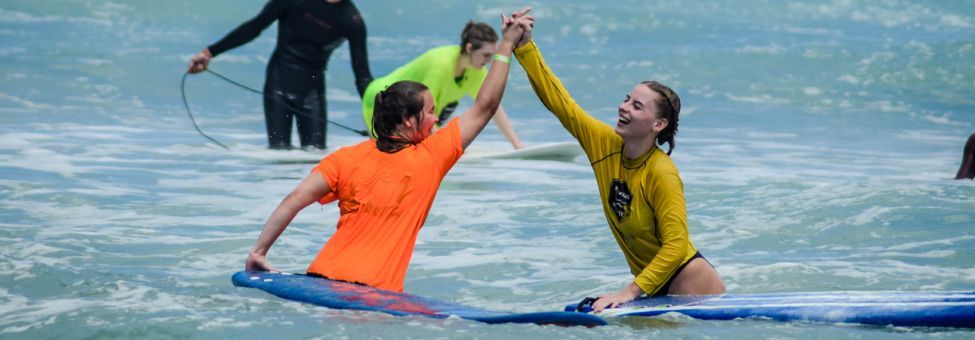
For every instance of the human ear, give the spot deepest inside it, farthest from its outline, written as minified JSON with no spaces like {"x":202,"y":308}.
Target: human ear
{"x":469,"y":48}
{"x":660,"y":125}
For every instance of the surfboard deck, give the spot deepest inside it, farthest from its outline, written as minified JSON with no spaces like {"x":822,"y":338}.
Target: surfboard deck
{"x":912,"y":309}
{"x":341,"y":295}
{"x":563,"y":151}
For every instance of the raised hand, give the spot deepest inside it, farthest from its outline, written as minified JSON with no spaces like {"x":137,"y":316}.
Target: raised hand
{"x":514,"y":27}
{"x":527,"y":22}
{"x":510,"y":31}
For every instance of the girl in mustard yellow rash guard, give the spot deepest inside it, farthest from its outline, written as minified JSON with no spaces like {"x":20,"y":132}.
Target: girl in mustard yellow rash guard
{"x":641,"y":190}
{"x":451,"y":72}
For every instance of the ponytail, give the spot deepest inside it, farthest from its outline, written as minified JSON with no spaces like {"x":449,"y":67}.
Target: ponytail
{"x":401,"y":101}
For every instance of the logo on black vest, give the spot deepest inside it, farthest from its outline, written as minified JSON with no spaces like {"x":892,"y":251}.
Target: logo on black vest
{"x":619,"y":198}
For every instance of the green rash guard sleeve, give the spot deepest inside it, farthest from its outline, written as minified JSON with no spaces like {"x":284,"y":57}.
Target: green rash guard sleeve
{"x":652,"y":233}
{"x":588,"y":130}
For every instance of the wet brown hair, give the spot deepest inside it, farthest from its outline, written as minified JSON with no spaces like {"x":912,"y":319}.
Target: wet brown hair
{"x":397,"y":103}
{"x":669,"y":109}
{"x":477,"y":34}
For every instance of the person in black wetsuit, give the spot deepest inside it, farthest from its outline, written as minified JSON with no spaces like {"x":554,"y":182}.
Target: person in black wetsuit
{"x":308,"y":32}
{"x":967,"y":168}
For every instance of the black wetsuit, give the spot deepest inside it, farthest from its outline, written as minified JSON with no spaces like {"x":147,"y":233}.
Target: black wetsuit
{"x":308,"y":32}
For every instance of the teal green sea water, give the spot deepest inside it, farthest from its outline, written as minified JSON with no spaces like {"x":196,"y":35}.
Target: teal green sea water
{"x":817,"y":144}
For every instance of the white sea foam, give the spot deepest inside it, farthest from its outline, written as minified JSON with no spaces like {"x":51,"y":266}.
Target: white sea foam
{"x":588,"y":30}
{"x":339,"y":95}
{"x":492,"y":12}
{"x":944,"y":242}
{"x":25,"y":102}
{"x":774,"y":135}
{"x":955,"y":20}
{"x":219,"y":323}
{"x":877,"y":58}
{"x":929,"y":137}
{"x":762,"y":99}
{"x":8,"y":16}
{"x":119,"y":295}
{"x":942,"y":119}
{"x":96,"y":62}
{"x":886,"y":106}
{"x":640,"y":64}
{"x":934,"y":254}
{"x":870,"y":215}
{"x":772,"y":49}
{"x":42,"y":160}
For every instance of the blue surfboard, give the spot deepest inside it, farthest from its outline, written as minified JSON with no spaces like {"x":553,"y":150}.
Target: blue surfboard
{"x":912,"y":309}
{"x":341,"y":295}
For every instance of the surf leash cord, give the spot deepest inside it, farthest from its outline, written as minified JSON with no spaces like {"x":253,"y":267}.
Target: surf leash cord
{"x":182,"y":89}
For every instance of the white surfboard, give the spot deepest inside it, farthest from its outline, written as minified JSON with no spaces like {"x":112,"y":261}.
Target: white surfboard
{"x":563,"y":151}
{"x":261,"y":153}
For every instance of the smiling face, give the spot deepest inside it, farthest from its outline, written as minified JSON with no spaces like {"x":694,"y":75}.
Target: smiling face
{"x":481,"y":56}
{"x":638,"y":114}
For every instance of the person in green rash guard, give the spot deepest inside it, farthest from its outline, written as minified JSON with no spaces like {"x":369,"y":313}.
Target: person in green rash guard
{"x":639,"y":185}
{"x":450,"y":72}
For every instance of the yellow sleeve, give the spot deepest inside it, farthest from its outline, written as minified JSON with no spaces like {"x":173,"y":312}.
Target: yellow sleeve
{"x":666,"y":196}
{"x":583,"y":127}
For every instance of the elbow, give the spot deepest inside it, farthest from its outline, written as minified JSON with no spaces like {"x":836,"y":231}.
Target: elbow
{"x":677,"y":246}
{"x":298,"y":200}
{"x":682,"y":247}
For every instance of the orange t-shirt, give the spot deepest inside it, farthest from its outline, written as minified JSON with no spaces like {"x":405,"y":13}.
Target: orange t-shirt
{"x":384,"y":198}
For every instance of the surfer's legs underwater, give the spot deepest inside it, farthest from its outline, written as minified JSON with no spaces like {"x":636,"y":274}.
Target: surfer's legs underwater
{"x":312,"y":127}
{"x":293,"y":92}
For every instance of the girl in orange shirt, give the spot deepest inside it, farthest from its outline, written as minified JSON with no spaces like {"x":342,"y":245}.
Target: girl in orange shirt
{"x":386,"y":186}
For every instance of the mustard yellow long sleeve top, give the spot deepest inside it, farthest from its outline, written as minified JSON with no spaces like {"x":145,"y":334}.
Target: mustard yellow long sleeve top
{"x":643,"y":198}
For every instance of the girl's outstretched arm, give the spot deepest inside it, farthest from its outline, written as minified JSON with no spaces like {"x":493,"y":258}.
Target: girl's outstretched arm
{"x":307,"y":192}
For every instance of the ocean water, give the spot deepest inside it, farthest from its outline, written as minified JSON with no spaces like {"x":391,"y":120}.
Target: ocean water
{"x":817,"y":145}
